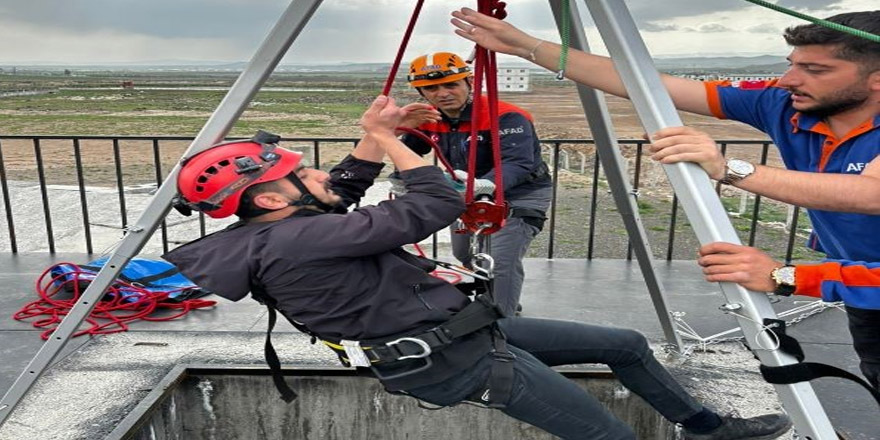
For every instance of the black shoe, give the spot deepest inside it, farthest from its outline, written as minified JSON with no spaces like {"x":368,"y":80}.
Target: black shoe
{"x":766,"y":427}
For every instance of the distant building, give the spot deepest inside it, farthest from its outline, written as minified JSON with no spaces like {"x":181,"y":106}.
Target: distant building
{"x":513,"y":80}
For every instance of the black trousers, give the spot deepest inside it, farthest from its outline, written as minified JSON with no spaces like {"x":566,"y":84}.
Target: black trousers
{"x":864,"y":325}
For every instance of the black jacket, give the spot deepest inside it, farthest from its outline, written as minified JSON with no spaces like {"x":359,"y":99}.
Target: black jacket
{"x":343,"y":275}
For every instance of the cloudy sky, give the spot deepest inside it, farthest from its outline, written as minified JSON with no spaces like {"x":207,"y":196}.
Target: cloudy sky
{"x":118,"y":31}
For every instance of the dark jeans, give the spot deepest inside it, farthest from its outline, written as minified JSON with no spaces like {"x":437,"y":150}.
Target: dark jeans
{"x":864,"y":325}
{"x":546,"y":399}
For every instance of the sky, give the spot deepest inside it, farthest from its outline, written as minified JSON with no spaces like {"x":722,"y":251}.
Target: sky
{"x":137,"y":31}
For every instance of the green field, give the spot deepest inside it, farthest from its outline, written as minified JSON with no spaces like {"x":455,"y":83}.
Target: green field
{"x":175,"y":104}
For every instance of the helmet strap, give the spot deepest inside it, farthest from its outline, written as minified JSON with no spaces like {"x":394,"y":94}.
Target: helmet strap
{"x":307,"y":198}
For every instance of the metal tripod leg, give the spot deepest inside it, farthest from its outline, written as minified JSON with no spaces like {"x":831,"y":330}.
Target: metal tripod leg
{"x":218,"y":125}
{"x":703,"y":207}
{"x":614,"y":164}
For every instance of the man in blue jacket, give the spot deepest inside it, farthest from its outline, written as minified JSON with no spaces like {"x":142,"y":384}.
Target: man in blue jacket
{"x":343,"y":277}
{"x":823,"y":115}
{"x":444,"y":80}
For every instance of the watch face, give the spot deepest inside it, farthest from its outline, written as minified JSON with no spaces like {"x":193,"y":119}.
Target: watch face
{"x":786,"y":275}
{"x":740,"y":167}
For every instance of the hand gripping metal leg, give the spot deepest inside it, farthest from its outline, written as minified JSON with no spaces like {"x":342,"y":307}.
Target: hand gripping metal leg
{"x":218,"y":125}
{"x":698,"y":198}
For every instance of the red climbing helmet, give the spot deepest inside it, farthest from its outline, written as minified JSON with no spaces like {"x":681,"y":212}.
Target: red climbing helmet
{"x":214,"y":180}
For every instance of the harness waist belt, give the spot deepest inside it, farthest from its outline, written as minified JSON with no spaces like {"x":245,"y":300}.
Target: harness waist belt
{"x":477,"y":315}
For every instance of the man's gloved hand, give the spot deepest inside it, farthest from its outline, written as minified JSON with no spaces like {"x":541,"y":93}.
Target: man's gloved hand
{"x":481,"y":186}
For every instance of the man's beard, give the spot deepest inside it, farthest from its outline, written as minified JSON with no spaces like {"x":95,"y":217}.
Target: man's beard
{"x":838,"y":102}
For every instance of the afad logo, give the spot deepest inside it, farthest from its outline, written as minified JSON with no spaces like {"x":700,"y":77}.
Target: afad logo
{"x":435,"y":137}
{"x":479,"y":139}
{"x":855,"y":167}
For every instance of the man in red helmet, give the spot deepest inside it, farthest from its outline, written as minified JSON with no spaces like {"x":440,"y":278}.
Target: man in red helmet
{"x":342,"y":277}
{"x":444,"y":80}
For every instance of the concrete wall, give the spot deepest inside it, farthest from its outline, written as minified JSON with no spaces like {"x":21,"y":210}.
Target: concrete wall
{"x":351,"y":408}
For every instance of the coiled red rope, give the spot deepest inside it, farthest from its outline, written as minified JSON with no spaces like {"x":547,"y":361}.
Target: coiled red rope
{"x":122,"y":303}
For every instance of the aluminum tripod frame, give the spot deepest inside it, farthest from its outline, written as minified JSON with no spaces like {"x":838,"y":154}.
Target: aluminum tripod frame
{"x":273,"y":48}
{"x":700,"y":202}
{"x":614,"y":164}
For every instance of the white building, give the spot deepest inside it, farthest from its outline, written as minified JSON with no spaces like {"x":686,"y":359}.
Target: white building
{"x":513,"y":80}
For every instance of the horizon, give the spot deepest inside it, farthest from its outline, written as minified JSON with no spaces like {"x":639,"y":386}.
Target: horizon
{"x":207,"y":63}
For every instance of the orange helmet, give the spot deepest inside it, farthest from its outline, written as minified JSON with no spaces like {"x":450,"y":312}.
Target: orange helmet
{"x":437,"y":68}
{"x":214,"y":180}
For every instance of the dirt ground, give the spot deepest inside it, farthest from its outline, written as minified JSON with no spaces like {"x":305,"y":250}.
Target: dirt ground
{"x":557,"y":111}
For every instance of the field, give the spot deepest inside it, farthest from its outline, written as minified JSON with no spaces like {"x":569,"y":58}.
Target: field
{"x":328,"y":105}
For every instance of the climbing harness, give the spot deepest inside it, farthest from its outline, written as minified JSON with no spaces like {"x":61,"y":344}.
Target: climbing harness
{"x":144,"y":288}
{"x":479,"y":314}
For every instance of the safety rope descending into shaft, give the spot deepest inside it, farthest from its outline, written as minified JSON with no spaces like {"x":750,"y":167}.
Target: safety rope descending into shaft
{"x":818,"y":21}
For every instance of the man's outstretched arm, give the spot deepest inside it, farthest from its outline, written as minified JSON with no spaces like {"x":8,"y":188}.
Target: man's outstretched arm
{"x":592,"y":70}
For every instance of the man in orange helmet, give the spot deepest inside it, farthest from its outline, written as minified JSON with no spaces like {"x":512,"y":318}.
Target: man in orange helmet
{"x":444,"y":80}
{"x":342,"y":277}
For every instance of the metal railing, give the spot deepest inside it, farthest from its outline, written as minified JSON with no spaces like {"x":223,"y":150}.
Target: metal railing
{"x":144,"y":164}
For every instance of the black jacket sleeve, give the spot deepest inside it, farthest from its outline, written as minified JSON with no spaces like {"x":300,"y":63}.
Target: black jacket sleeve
{"x":416,"y":144}
{"x":351,"y":178}
{"x":428,"y":206}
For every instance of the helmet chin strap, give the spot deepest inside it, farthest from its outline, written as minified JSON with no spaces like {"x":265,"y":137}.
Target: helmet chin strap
{"x":307,"y":198}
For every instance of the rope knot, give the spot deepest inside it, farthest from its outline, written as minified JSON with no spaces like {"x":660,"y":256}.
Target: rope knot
{"x":497,"y":8}
{"x":494,"y":8}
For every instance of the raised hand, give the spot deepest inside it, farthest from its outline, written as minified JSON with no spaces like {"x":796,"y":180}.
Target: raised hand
{"x":383,"y":116}
{"x":492,"y":33}
{"x":417,"y":114}
{"x":686,"y":144}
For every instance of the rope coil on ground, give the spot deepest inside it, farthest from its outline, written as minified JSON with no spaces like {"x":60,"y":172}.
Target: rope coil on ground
{"x":122,"y":303}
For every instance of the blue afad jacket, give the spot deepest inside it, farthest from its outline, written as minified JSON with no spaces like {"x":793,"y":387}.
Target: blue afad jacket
{"x":851,"y":241}
{"x":523,"y":169}
{"x":343,"y":275}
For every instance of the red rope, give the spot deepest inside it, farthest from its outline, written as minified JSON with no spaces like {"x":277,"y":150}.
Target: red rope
{"x":390,"y":81}
{"x":485,"y":66}
{"x":122,"y":303}
{"x":402,"y":48}
{"x":435,"y":147}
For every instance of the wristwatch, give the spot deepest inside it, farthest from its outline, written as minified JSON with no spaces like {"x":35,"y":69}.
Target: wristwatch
{"x":737,"y":170}
{"x":784,"y":278}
